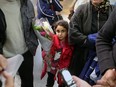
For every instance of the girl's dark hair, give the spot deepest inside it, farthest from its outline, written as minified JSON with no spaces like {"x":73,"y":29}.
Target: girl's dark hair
{"x":61,"y":23}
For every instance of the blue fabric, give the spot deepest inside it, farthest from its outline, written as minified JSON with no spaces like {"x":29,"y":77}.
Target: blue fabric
{"x":114,"y":40}
{"x":97,"y":70}
{"x":90,"y":70}
{"x":44,"y":9}
{"x":89,"y":67}
{"x":92,"y":64}
{"x":92,"y":38}
{"x":90,"y":57}
{"x":95,"y":75}
{"x":82,"y":75}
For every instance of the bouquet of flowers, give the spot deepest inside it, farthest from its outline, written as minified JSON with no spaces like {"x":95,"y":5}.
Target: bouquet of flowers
{"x":44,"y":32}
{"x":42,"y":25}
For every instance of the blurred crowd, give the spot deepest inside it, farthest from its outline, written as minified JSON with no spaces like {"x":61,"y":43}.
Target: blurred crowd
{"x":83,"y":42}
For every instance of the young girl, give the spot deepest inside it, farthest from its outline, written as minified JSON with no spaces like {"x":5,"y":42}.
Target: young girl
{"x":60,"y":53}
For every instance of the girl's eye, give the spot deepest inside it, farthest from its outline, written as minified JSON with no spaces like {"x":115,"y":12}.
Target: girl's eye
{"x":63,"y":31}
{"x":58,"y":31}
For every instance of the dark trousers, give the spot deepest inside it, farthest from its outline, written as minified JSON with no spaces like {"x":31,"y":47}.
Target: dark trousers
{"x":0,"y":83}
{"x":26,"y":70}
{"x":50,"y":81}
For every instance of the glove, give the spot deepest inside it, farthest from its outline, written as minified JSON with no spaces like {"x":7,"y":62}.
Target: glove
{"x":92,"y":38}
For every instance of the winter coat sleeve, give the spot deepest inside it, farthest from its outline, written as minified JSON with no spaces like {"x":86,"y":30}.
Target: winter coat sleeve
{"x":76,"y":34}
{"x":106,"y":51}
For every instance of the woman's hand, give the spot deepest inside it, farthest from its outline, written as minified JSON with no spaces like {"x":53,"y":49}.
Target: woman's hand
{"x":108,"y":79}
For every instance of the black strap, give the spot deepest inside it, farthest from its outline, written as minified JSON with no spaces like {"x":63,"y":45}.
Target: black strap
{"x":2,"y":18}
{"x":2,"y":30}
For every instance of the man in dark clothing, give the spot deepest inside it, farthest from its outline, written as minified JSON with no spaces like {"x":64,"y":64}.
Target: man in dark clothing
{"x":106,"y":50}
{"x":84,"y":24}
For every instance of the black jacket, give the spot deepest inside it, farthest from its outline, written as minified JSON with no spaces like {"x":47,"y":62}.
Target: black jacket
{"x":27,"y":14}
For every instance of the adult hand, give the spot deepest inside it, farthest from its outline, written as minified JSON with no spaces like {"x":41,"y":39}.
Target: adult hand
{"x":9,"y":82}
{"x":80,"y":82}
{"x":3,"y":63}
{"x":109,"y":78}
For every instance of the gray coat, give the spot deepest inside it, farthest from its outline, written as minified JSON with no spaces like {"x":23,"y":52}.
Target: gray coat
{"x":106,"y":48}
{"x":79,"y":28}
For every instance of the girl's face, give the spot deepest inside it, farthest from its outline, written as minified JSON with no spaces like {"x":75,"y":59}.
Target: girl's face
{"x":61,"y":32}
{"x":96,"y":2}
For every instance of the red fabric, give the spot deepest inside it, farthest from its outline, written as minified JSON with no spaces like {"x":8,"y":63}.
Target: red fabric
{"x":44,"y":70}
{"x":66,"y":54}
{"x":65,"y":57}
{"x":64,"y":60}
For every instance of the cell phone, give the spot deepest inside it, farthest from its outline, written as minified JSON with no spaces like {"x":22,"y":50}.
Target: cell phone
{"x":69,"y":82}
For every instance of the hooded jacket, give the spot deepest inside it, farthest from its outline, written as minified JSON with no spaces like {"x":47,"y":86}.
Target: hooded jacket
{"x":47,"y":8}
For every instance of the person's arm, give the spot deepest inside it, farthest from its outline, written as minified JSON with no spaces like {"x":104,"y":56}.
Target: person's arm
{"x":104,"y":46}
{"x":57,"y":5}
{"x":76,"y":35}
{"x":9,"y":81}
{"x":106,"y":51}
{"x":46,"y":10}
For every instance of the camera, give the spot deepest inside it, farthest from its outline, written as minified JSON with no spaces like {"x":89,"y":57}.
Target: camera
{"x":69,"y":82}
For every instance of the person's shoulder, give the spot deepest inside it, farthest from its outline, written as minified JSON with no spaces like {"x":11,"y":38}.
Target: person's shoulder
{"x":114,"y":10}
{"x":82,"y":7}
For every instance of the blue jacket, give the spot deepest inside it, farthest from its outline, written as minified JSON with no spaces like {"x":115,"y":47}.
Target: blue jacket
{"x":44,"y":9}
